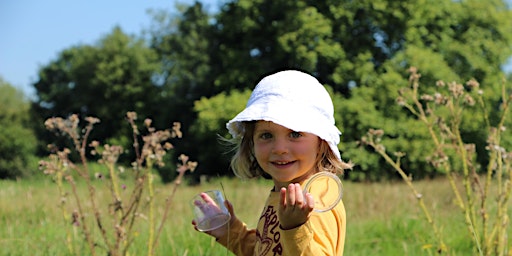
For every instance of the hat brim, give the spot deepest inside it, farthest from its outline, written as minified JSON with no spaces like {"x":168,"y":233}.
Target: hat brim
{"x":291,"y":116}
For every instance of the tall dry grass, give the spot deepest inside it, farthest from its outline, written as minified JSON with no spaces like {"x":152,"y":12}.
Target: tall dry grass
{"x":108,"y":221}
{"x":383,"y":218}
{"x":481,"y":193}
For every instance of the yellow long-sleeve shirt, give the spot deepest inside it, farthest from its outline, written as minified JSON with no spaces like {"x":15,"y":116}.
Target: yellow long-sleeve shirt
{"x":322,"y":234}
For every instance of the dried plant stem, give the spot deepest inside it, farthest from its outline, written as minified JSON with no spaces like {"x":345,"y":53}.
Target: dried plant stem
{"x":92,"y":198}
{"x":498,"y":232}
{"x":442,"y":114}
{"x":83,"y":223}
{"x":117,"y":232}
{"x":419,"y":197}
{"x":453,"y":131}
{"x":65,"y":215}
{"x":485,"y":216}
{"x":114,"y":183}
{"x":136,"y":146}
{"x":168,"y":204}
{"x":117,"y":206}
{"x":469,"y":210}
{"x":131,"y":214}
{"x":151,"y":212}
{"x":419,"y":112}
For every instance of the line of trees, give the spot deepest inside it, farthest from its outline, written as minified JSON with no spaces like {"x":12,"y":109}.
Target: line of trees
{"x":198,"y":68}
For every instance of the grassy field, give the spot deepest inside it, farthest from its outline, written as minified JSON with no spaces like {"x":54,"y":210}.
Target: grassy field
{"x":383,"y":219}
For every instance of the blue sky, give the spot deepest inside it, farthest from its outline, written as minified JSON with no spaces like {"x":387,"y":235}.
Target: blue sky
{"x":33,"y":32}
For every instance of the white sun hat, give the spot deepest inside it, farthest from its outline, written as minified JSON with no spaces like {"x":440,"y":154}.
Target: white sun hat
{"x":295,"y":100}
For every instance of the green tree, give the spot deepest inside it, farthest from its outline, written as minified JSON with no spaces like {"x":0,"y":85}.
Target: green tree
{"x":104,"y":80}
{"x":17,"y":141}
{"x":362,"y":50}
{"x":254,"y":38}
{"x":446,"y":40}
{"x":182,"y":42}
{"x":210,"y":129}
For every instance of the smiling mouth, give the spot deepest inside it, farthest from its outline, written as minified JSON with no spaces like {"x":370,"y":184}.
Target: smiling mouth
{"x":282,"y":162}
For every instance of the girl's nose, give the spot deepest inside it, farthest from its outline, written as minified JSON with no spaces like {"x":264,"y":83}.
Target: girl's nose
{"x":280,"y":146}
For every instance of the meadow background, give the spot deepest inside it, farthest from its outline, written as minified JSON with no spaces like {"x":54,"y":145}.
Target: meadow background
{"x":197,"y":67}
{"x":383,"y":218}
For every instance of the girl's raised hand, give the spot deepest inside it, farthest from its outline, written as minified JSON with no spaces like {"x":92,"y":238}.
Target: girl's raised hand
{"x":211,"y":206}
{"x":294,"y":207}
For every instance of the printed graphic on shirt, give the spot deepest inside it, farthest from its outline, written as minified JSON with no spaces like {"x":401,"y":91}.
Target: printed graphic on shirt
{"x":270,"y":237}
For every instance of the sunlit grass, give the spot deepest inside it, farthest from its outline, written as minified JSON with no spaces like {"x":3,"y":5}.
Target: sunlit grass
{"x":383,"y":218}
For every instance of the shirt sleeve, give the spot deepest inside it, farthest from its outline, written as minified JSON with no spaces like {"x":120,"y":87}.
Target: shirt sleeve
{"x":240,"y":240}
{"x":323,"y":234}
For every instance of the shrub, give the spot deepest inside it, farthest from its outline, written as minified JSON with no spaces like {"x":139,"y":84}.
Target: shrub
{"x":17,"y":142}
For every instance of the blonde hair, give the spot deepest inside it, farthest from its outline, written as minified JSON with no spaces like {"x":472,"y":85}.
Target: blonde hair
{"x":245,"y":166}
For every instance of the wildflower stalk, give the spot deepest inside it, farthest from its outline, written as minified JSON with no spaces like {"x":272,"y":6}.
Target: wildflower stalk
{"x":182,"y":168}
{"x":114,"y":183}
{"x":81,"y":215}
{"x":58,"y":179}
{"x":131,"y":214}
{"x":455,"y":106}
{"x":151,"y":209}
{"x":372,"y":139}
{"x":419,"y":112}
{"x":117,"y":234}
{"x":485,"y":216}
{"x":502,"y":169}
{"x":90,"y":187}
{"x":446,"y":126}
{"x":469,"y":210}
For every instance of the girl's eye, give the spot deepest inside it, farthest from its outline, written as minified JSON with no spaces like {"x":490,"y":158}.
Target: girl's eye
{"x":265,"y":135}
{"x":295,"y":134}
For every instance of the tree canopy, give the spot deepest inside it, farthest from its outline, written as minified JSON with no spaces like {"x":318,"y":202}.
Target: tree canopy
{"x":104,"y":80}
{"x":193,"y":66}
{"x":17,"y":141}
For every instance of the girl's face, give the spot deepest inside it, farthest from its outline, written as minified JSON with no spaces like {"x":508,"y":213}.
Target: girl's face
{"x":288,"y":156}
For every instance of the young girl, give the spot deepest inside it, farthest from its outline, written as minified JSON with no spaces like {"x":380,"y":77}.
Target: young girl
{"x":286,"y":133}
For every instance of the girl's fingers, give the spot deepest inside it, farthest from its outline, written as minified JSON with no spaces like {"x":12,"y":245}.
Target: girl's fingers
{"x":207,"y":199}
{"x":310,"y":201}
{"x":230,"y":208}
{"x":290,"y":195}
{"x":299,"y":198}
{"x":282,"y":200}
{"x":195,"y":225}
{"x":294,"y":197}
